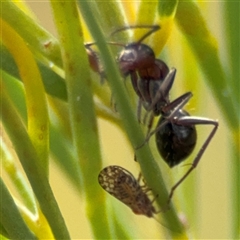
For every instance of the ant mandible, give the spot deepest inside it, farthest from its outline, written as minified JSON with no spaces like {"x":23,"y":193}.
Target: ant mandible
{"x":176,"y":135}
{"x":150,"y":77}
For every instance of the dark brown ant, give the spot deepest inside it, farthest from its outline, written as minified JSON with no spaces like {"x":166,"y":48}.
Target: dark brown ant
{"x":152,"y":81}
{"x":176,"y":135}
{"x":146,"y":72}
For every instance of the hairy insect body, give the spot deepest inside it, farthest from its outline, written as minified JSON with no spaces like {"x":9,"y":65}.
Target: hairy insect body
{"x":122,"y":185}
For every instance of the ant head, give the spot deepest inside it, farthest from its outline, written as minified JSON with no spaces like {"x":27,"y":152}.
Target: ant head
{"x":135,"y":56}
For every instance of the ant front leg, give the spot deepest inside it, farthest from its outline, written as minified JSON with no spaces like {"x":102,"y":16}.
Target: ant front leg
{"x":189,"y":121}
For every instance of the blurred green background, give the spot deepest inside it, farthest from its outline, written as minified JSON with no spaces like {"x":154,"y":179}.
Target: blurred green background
{"x":204,"y":199}
{"x":213,"y":188}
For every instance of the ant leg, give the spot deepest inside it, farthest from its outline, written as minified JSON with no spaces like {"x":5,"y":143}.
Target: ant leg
{"x":139,"y":110}
{"x":176,"y":105}
{"x":194,"y":121}
{"x":150,"y":123}
{"x":144,"y":187}
{"x":154,"y":29}
{"x":154,"y":199}
{"x":164,"y":209}
{"x":139,"y":177}
{"x":88,"y":45}
{"x":161,"y":93}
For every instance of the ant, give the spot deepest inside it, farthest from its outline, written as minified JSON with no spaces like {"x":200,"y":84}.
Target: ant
{"x":150,"y":77}
{"x":176,"y":135}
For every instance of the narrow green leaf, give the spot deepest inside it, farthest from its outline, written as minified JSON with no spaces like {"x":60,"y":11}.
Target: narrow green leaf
{"x":82,"y":115}
{"x":232,"y":30}
{"x":33,"y":34}
{"x":146,"y":13}
{"x":29,"y":160}
{"x":3,"y":233}
{"x":18,"y":180}
{"x":149,"y":167}
{"x":38,"y":126}
{"x":167,"y":8}
{"x":65,"y":156}
{"x":194,"y":28}
{"x":15,"y":91}
{"x":11,"y":218}
{"x":106,"y":19}
{"x":54,"y":85}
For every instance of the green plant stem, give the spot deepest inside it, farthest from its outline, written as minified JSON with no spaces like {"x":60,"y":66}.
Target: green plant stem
{"x":205,"y":49}
{"x":82,"y":115}
{"x":11,"y":218}
{"x":53,"y":83}
{"x":34,"y":35}
{"x":232,"y":43}
{"x":232,"y":30}
{"x":3,"y":233}
{"x":149,"y":167}
{"x":19,"y":181}
{"x":29,"y":160}
{"x":235,"y":183}
{"x":145,"y":13}
{"x":38,"y":124}
{"x":224,"y":84}
{"x":103,"y":9}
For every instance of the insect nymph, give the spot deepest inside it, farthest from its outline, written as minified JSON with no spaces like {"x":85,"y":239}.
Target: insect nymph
{"x":125,"y":187}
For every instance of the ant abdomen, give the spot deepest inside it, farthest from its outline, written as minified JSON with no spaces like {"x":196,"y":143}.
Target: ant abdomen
{"x":175,"y":142}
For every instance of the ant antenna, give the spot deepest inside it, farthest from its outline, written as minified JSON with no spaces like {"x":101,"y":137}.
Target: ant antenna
{"x":153,"y":28}
{"x":87,"y":45}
